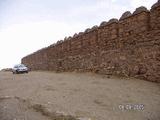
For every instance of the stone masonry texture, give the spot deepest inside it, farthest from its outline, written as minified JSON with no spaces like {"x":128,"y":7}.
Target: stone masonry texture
{"x":127,"y":47}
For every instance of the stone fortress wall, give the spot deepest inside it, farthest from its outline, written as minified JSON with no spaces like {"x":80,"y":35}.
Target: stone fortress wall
{"x":128,"y":47}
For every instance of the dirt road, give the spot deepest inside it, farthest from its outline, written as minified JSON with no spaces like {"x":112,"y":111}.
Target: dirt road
{"x":49,"y":95}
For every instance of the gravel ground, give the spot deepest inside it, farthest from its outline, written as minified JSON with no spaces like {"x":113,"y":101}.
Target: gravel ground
{"x":86,"y":96}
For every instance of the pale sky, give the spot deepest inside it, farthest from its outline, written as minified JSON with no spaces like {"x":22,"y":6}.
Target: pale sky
{"x":29,"y":25}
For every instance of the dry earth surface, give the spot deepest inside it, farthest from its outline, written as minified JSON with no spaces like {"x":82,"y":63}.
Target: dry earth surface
{"x":86,"y":96}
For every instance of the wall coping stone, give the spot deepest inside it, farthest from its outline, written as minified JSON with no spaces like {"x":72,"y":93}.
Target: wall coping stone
{"x":103,"y":23}
{"x":113,"y":20}
{"x":125,"y":15}
{"x":140,"y":9}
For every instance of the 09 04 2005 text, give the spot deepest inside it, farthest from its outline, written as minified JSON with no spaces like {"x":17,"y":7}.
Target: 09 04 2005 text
{"x":138,"y":107}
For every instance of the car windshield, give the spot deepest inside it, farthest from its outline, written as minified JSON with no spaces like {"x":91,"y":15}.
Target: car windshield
{"x":21,"y":65}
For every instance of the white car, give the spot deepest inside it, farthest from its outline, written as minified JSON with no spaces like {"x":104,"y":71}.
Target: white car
{"x":20,"y":68}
